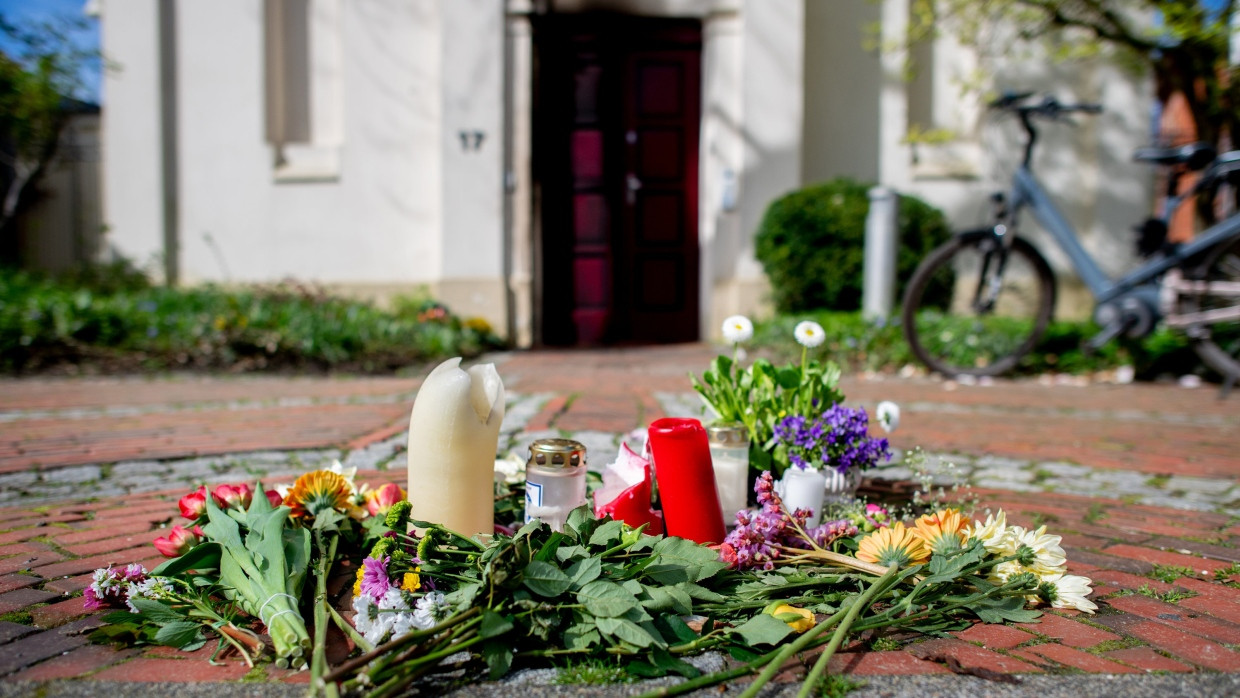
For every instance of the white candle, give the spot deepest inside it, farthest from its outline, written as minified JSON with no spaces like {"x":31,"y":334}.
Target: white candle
{"x":453,"y":436}
{"x":804,"y":489}
{"x":731,"y":480}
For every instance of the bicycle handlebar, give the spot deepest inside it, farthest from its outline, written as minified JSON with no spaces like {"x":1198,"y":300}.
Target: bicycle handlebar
{"x":1048,"y":107}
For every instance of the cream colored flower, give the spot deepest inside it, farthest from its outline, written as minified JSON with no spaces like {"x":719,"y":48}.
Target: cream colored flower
{"x":1070,"y":592}
{"x":737,"y":329}
{"x":994,"y":533}
{"x":809,"y":334}
{"x":1049,"y":556}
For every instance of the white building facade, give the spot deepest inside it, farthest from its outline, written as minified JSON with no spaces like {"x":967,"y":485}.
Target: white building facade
{"x":573,"y":171}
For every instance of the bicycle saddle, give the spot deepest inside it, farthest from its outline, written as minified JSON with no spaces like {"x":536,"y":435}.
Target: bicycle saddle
{"x":1195,"y":156}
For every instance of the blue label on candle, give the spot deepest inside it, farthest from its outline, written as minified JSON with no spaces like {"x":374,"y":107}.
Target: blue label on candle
{"x":533,"y":498}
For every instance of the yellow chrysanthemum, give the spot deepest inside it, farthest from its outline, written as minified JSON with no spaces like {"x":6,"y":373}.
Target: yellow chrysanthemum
{"x":317,"y":492}
{"x":803,"y":621}
{"x":357,"y":585}
{"x":894,"y":545}
{"x":942,"y":531}
{"x":412,"y":581}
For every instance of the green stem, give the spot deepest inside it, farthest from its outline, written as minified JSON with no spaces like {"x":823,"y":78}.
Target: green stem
{"x":782,"y":655}
{"x":347,"y":628}
{"x":837,"y":638}
{"x":318,"y":659}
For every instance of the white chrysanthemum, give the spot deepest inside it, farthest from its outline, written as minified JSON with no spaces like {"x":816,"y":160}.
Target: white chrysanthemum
{"x":809,"y":334}
{"x":1049,"y":556}
{"x":154,"y":588}
{"x":888,"y":415}
{"x":388,"y":619}
{"x":737,"y":329}
{"x":431,"y":609}
{"x":1003,"y":572}
{"x":994,"y":533}
{"x":510,"y":469}
{"x":1070,"y":592}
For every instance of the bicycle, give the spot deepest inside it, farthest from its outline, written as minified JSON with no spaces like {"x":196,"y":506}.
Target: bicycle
{"x":978,"y":303}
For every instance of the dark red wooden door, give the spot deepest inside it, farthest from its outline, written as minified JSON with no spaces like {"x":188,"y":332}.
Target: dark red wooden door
{"x":616,"y":155}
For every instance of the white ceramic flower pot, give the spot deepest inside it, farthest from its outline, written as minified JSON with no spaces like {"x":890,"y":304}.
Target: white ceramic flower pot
{"x":804,"y":489}
{"x":841,"y":487}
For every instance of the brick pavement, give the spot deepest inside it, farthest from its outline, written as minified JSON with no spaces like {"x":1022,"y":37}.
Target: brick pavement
{"x":1044,"y":438}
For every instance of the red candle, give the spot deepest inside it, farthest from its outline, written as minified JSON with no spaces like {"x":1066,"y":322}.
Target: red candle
{"x":681,"y":457}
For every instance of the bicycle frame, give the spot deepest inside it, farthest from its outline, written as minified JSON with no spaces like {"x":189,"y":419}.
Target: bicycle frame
{"x":1027,"y":191}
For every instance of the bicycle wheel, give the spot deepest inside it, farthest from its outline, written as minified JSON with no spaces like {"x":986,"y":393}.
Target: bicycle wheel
{"x":1217,"y":343}
{"x":966,"y":312}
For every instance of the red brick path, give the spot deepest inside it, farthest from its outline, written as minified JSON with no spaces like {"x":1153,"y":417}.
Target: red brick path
{"x":1144,"y":624}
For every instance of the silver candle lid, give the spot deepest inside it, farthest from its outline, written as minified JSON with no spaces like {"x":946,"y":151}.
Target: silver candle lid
{"x":557,"y":453}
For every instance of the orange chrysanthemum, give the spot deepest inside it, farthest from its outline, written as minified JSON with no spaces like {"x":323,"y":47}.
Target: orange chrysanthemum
{"x":942,"y":531}
{"x":317,"y":492}
{"x":894,"y":545}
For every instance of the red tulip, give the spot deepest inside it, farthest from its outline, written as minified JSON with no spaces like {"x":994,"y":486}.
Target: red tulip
{"x":380,"y":500}
{"x":178,"y":542}
{"x":236,"y":496}
{"x":274,"y":497}
{"x":194,"y":504}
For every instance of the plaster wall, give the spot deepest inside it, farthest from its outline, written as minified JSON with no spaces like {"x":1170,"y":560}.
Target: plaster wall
{"x":132,"y":209}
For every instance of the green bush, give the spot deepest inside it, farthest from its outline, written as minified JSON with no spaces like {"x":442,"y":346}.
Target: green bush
{"x":125,"y":325}
{"x":812,"y":244}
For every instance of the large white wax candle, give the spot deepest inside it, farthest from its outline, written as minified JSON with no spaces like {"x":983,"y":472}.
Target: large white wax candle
{"x":804,"y":489}
{"x":453,"y":435}
{"x":731,"y":480}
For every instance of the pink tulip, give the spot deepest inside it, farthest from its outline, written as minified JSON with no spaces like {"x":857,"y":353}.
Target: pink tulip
{"x":235,"y":496}
{"x":274,"y":497}
{"x":194,"y":504}
{"x":380,"y":500}
{"x":178,"y":542}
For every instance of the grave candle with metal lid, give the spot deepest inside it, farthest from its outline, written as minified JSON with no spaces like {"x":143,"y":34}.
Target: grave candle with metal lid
{"x":555,"y":481}
{"x":729,"y":456}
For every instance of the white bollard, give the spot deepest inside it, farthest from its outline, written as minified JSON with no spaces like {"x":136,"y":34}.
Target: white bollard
{"x":878,"y":292}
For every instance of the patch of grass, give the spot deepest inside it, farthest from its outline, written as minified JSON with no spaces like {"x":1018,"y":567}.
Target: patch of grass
{"x":258,"y":674}
{"x":1158,"y":481}
{"x":23,"y":617}
{"x":1040,"y":475}
{"x":885,"y":644}
{"x":1169,"y":573}
{"x":1221,"y":575}
{"x":1040,"y":519}
{"x":1172,"y":596}
{"x":1123,"y":643}
{"x":593,"y":672}
{"x":837,"y":686}
{"x":1095,"y":514}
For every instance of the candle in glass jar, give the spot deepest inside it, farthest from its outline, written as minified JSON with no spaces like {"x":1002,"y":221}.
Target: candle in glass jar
{"x":555,"y":481}
{"x":804,"y":489}
{"x":453,"y":436}
{"x":729,"y":456}
{"x":681,"y":456}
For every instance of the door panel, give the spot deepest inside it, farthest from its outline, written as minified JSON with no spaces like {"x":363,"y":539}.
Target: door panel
{"x":616,"y":129}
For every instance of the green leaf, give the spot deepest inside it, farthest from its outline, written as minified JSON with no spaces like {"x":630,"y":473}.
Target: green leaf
{"x":545,"y":579}
{"x":701,"y":593}
{"x":670,"y":574}
{"x":742,"y":654}
{"x":464,"y":595}
{"x":548,"y":551}
{"x":582,"y":522}
{"x":669,"y":664}
{"x":1008,"y":608}
{"x":763,"y":630}
{"x":581,"y":636}
{"x":156,"y":612}
{"x":606,"y":599}
{"x":584,"y":571}
{"x":564,"y":553}
{"x":608,"y":534}
{"x":493,"y":625}
{"x":498,"y":656}
{"x":625,"y":630}
{"x":203,"y":556}
{"x":178,"y":634}
{"x":674,"y":629}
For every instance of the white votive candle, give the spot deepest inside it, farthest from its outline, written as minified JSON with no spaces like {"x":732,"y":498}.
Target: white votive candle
{"x":729,"y":456}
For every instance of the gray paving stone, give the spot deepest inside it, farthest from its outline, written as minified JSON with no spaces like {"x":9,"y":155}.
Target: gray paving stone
{"x":1064,"y":469}
{"x":17,"y":480}
{"x":680,"y":404}
{"x":1198,"y":484}
{"x":1014,"y":486}
{"x":519,"y":411}
{"x":128,"y":467}
{"x":999,"y":463}
{"x":1003,"y":474}
{"x":1179,"y":503}
{"x":77,"y":474}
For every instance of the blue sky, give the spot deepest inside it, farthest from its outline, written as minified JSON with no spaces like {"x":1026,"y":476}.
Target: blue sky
{"x":26,"y":12}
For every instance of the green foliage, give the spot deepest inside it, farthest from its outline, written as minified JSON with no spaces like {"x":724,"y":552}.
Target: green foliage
{"x":860,"y":345}
{"x":1170,"y":596}
{"x":1169,"y":573}
{"x":117,"y":319}
{"x":812,"y":244}
{"x":593,"y":671}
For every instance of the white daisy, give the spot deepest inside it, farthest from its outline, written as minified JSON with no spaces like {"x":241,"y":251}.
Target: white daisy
{"x":809,"y":334}
{"x":1049,"y":556}
{"x":888,"y":414}
{"x":1070,"y":592}
{"x":737,"y":329}
{"x":994,"y":533}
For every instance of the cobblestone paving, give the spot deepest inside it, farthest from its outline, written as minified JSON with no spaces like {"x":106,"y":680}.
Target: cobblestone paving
{"x":1140,"y":480}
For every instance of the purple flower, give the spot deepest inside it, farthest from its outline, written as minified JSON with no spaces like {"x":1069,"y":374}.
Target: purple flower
{"x":838,"y":438}
{"x":375,"y":582}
